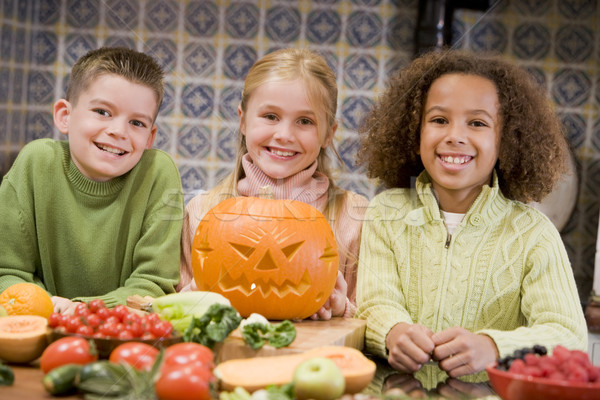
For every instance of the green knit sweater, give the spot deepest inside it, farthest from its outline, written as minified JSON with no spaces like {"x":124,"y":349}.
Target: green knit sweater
{"x":504,"y":272}
{"x":82,"y":239}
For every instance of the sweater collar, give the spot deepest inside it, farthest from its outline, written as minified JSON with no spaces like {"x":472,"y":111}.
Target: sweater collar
{"x":88,"y":186}
{"x":489,"y":205}
{"x":308,"y":186}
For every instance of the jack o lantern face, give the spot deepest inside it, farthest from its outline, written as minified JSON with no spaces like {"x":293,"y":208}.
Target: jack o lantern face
{"x":266,"y":260}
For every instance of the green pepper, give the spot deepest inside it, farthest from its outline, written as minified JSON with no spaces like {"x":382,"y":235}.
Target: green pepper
{"x":7,"y":377}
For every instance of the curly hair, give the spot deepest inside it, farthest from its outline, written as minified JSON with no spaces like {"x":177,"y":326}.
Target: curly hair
{"x":533,"y":150}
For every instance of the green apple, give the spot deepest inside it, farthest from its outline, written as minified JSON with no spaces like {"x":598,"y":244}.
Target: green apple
{"x":318,"y":378}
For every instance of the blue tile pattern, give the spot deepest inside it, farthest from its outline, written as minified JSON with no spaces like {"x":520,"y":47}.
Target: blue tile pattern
{"x":47,"y":12}
{"x":573,"y":43}
{"x":364,"y":29}
{"x":323,"y":27}
{"x":162,"y":15}
{"x":238,"y":60}
{"x":40,"y":87}
{"x":197,"y":101}
{"x":360,"y":71}
{"x":201,"y":18}
{"x":122,"y":14}
{"x":82,"y":14}
{"x":531,"y":41}
{"x":282,"y":24}
{"x":578,"y":9}
{"x":194,"y":141}
{"x":199,"y":59}
{"x":207,"y":47}
{"x":571,"y":88}
{"x":242,"y":20}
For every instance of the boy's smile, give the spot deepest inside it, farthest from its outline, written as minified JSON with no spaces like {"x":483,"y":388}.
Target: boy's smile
{"x":460,"y":134}
{"x":109,"y":126}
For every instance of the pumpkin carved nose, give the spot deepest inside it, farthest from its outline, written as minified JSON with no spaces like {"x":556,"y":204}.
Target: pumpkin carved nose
{"x":267,"y":263}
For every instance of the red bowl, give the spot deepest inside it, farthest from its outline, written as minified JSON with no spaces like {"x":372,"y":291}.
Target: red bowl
{"x":510,"y":386}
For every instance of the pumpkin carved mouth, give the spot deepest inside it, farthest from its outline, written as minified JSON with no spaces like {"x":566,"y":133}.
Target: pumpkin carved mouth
{"x":264,"y":286}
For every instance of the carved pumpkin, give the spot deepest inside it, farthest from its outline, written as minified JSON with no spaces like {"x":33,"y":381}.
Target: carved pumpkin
{"x":277,"y":258}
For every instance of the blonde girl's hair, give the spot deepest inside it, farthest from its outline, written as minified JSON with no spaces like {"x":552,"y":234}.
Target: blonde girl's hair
{"x":129,"y":64}
{"x":321,"y":85}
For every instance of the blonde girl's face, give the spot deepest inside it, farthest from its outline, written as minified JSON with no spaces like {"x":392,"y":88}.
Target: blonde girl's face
{"x":460,"y":137}
{"x":281,"y":130}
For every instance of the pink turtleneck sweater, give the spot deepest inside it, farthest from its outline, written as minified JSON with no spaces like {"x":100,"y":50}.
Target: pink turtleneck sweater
{"x":308,"y":186}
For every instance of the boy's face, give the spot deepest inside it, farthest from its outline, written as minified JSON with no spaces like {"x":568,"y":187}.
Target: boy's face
{"x":109,"y":127}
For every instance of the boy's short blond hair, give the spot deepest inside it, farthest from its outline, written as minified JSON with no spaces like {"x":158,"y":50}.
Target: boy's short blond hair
{"x":127,"y":63}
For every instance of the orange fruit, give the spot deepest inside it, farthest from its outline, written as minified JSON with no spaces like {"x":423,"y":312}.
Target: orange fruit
{"x":26,"y":299}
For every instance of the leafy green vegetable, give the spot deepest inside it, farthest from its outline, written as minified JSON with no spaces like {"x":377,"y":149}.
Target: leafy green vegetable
{"x":180,"y":308}
{"x":256,"y":334}
{"x":283,"y":392}
{"x":7,"y":376}
{"x":214,"y":326}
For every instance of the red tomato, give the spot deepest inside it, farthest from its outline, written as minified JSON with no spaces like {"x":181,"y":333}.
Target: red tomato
{"x":82,"y":310}
{"x":67,"y":350}
{"x":188,"y":353}
{"x":55,"y":319}
{"x":96,"y":304}
{"x":181,"y":382}
{"x":138,"y":355}
{"x":120,"y":311}
{"x":162,"y":329}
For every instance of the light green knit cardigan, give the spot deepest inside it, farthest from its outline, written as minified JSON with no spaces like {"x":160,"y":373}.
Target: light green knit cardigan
{"x":504,"y":272}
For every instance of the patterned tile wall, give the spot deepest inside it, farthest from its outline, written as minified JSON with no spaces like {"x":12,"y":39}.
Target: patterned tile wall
{"x":207,"y":46}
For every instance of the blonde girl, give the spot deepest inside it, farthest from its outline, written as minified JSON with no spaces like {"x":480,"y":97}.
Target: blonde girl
{"x":287,"y":123}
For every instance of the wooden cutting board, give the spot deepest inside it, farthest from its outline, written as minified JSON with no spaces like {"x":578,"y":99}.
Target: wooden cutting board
{"x":348,"y":332}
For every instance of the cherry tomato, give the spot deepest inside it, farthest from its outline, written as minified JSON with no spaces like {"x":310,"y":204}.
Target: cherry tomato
{"x":161,"y":329}
{"x":189,"y":353}
{"x":138,"y":355}
{"x":72,"y":323}
{"x":85,"y":330}
{"x":103,"y":313}
{"x":136,"y":329}
{"x":96,"y":304}
{"x":67,"y":350}
{"x":82,"y":310}
{"x":93,"y":321}
{"x":120,"y":311}
{"x":55,"y":319}
{"x":184,"y":382}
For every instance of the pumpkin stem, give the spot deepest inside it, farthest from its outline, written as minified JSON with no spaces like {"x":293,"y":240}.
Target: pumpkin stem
{"x":266,"y":192}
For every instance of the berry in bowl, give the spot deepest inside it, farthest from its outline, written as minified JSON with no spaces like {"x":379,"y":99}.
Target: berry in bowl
{"x":110,"y":327}
{"x":531,"y":374}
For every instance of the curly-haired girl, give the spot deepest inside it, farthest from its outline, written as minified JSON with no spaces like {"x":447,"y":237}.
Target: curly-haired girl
{"x":454,"y":266}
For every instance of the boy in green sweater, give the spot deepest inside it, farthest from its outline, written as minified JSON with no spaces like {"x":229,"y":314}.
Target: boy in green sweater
{"x":99,"y":215}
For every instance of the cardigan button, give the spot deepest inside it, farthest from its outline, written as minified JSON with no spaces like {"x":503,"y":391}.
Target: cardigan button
{"x":476,"y":219}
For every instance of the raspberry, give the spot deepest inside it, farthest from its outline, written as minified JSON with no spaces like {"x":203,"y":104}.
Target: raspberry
{"x":531,"y":359}
{"x":577,"y":374}
{"x":517,"y":366}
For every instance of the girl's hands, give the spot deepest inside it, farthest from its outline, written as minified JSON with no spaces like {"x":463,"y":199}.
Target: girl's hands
{"x":461,"y":352}
{"x":409,"y":346}
{"x":335,"y":306}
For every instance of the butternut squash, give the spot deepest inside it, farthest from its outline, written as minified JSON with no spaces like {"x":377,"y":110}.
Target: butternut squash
{"x":257,"y":373}
{"x":23,"y":338}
